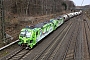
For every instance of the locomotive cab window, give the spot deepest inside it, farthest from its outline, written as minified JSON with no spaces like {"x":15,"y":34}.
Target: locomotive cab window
{"x":25,"y":34}
{"x":22,"y":33}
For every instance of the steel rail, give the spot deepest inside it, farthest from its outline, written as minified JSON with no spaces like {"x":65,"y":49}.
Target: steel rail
{"x":2,"y":48}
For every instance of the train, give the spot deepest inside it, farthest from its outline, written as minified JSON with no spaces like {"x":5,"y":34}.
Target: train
{"x":31,"y":35}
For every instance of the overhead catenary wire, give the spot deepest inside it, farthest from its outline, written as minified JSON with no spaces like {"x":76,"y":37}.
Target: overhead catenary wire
{"x":82,"y":2}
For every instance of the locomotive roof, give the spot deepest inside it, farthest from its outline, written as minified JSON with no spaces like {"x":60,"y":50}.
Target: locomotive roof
{"x":41,"y":24}
{"x":38,"y":25}
{"x":58,"y":17}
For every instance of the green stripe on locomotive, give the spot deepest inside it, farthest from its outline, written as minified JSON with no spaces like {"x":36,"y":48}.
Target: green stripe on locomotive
{"x":60,"y":21}
{"x":57,"y":22}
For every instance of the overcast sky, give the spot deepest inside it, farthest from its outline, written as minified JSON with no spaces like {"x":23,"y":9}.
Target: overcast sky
{"x":79,"y":2}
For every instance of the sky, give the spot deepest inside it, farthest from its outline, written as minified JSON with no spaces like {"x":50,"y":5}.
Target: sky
{"x":79,"y":2}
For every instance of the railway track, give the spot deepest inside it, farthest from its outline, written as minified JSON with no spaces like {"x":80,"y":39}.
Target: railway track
{"x":77,"y":45}
{"x":70,"y":50}
{"x":87,"y":40}
{"x":82,"y":41}
{"x":18,"y":55}
{"x":74,"y":51}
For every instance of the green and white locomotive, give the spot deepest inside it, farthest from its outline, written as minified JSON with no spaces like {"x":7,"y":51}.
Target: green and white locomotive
{"x":31,"y":35}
